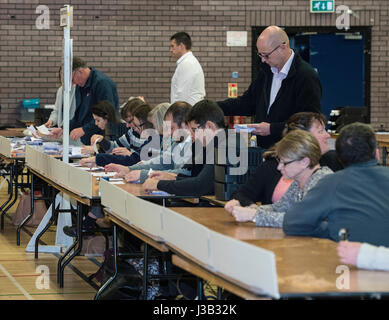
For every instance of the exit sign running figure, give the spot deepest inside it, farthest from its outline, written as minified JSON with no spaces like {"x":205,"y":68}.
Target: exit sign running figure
{"x":320,"y":6}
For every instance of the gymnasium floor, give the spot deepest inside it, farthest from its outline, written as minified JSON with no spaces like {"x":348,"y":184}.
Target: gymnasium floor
{"x":24,"y":278}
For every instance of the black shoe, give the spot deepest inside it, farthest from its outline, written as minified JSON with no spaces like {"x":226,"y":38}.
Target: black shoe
{"x":88,"y":225}
{"x":70,"y":231}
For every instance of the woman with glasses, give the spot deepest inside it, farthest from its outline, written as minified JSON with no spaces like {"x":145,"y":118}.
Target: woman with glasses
{"x":266,"y":185}
{"x":140,"y":123}
{"x":298,"y":155}
{"x":126,"y":144}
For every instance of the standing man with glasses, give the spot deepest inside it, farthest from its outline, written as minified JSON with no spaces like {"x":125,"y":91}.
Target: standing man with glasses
{"x":188,"y":82}
{"x":285,"y":85}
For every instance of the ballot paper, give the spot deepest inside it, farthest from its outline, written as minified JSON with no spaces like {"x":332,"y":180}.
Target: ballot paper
{"x":239,"y":127}
{"x":44,"y":130}
{"x":103,"y":174}
{"x":116,"y":182}
{"x":33,"y":131}
{"x":159,"y":193}
{"x":76,"y":151}
{"x":95,"y":145}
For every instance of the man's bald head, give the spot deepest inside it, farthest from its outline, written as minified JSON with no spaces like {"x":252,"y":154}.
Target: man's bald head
{"x":273,"y":36}
{"x":273,"y":47}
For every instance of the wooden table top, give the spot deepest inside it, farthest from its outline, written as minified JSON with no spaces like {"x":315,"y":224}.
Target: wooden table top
{"x":305,"y":265}
{"x":311,"y":265}
{"x":12,"y":132}
{"x":72,"y":193}
{"x":219,"y":220}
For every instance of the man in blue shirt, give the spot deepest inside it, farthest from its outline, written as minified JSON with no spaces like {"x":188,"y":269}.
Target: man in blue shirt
{"x":355,"y":198}
{"x":92,"y":86}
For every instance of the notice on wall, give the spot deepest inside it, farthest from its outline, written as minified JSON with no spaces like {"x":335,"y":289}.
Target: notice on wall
{"x":236,"y":38}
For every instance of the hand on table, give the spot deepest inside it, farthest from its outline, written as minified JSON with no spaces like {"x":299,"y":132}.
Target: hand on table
{"x":121,"y":151}
{"x":243,"y":214}
{"x":348,"y":252}
{"x":120,"y":170}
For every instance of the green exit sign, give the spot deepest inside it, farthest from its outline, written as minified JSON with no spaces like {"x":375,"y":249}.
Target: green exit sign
{"x":319,"y":6}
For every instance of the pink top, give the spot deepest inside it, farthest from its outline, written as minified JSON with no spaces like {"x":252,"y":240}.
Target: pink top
{"x":281,"y":187}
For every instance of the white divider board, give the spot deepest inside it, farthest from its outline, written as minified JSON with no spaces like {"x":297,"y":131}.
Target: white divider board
{"x":5,"y":147}
{"x":244,"y":262}
{"x":113,"y":198}
{"x":186,"y":235}
{"x":80,"y":181}
{"x":59,"y":171}
{"x":30,"y":156}
{"x":43,"y":163}
{"x":145,"y":215}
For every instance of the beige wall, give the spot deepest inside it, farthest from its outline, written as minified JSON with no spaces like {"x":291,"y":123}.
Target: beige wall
{"x":129,"y":40}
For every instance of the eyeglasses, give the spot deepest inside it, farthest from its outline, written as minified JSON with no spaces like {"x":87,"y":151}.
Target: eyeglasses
{"x":194,"y":129}
{"x":286,"y":163}
{"x":267,"y":55}
{"x":140,"y":125}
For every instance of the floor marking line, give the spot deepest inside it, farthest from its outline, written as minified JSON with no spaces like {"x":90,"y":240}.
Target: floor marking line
{"x":13,"y":280}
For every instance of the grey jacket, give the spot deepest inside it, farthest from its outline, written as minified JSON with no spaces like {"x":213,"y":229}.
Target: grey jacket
{"x":355,"y":198}
{"x":272,"y":215}
{"x":171,"y":160}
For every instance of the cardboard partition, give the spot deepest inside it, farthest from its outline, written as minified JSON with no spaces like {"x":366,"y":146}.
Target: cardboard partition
{"x":144,"y":215}
{"x":31,"y":156}
{"x":186,"y":235}
{"x":5,"y":147}
{"x":80,"y":181}
{"x":59,"y":171}
{"x":43,"y":163}
{"x":251,"y":265}
{"x":114,"y":198}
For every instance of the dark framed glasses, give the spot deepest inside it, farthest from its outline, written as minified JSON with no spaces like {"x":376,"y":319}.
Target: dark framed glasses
{"x":267,"y":55}
{"x":287,"y":162}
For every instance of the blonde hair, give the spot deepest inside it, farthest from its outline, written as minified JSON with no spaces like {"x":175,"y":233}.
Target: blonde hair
{"x":297,"y":145}
{"x":157,"y":114}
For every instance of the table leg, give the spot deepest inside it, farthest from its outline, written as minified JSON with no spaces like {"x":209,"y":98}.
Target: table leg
{"x":115,"y":257}
{"x":61,"y":266}
{"x":11,"y":188}
{"x":53,"y":218}
{"x":145,"y":269}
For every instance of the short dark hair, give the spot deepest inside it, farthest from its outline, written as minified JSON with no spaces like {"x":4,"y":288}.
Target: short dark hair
{"x":105,"y":110}
{"x":356,"y":143}
{"x":78,"y":63}
{"x":304,"y":121}
{"x":130,"y":106}
{"x":179,"y":111}
{"x":142,"y":112}
{"x":206,"y":110}
{"x":182,"y":37}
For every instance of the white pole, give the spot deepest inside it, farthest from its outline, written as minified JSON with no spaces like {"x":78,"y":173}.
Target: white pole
{"x":67,"y":57}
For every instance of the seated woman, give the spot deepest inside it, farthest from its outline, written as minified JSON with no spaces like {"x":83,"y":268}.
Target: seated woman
{"x":128,"y":142}
{"x":105,"y":118}
{"x":266,"y":185}
{"x":140,"y":123}
{"x":364,"y":255}
{"x":298,"y":155}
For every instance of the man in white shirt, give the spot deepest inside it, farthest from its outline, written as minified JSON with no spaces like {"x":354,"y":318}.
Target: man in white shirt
{"x":188,"y":80}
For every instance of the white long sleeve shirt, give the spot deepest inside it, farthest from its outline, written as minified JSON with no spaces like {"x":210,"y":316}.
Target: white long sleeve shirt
{"x":373,"y":257}
{"x":188,"y":82}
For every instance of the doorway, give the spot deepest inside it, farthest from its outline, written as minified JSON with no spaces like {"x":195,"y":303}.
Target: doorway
{"x":342,"y":60}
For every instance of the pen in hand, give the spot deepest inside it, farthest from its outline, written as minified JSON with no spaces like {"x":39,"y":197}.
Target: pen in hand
{"x":343,"y":234}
